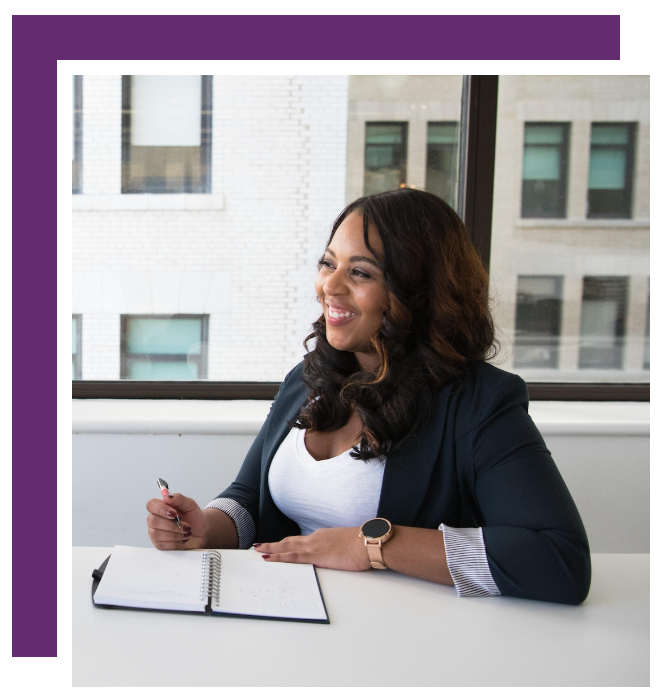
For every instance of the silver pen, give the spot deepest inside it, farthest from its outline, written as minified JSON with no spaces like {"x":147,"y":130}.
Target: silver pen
{"x":163,"y":485}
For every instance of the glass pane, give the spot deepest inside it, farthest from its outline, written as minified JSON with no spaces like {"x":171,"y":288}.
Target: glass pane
{"x":384,"y":133}
{"x":165,"y":110}
{"x":607,"y":169}
{"x":442,"y":161}
{"x":607,"y":134}
{"x":442,"y":133}
{"x":571,"y":291}
{"x":544,"y":133}
{"x":163,"y":335}
{"x":288,"y":153}
{"x":540,"y":163}
{"x":165,"y":371}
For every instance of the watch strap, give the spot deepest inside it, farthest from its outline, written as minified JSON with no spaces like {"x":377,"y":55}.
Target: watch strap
{"x":374,"y":550}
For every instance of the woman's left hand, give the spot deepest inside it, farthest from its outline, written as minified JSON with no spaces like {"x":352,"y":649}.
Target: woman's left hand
{"x":328,"y":548}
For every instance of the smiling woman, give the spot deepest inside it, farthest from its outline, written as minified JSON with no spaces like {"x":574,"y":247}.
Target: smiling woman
{"x":394,"y":444}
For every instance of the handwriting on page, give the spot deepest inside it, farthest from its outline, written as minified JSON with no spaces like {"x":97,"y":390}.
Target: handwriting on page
{"x":280,"y":595}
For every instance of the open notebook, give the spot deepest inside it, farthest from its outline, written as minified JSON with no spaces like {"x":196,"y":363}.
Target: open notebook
{"x":223,"y":581}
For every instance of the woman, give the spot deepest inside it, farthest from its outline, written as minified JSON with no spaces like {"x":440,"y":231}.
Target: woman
{"x":395,"y":415}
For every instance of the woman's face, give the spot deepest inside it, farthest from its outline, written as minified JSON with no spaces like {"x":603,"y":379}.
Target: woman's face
{"x":351,"y":289}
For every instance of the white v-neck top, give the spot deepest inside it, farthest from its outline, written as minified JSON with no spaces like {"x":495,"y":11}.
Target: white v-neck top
{"x":336,"y":492}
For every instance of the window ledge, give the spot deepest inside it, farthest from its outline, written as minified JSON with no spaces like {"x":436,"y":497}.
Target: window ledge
{"x":147,"y":202}
{"x":583,"y":223}
{"x":245,"y":417}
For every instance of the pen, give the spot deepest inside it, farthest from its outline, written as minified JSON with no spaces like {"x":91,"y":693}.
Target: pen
{"x":165,"y":490}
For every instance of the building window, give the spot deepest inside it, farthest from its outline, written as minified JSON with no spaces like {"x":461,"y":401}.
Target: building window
{"x":76,"y":346}
{"x":538,"y":322}
{"x":166,"y":133}
{"x":442,"y":160}
{"x":77,"y":135}
{"x":602,"y":322}
{"x":385,"y":156}
{"x":611,"y":171}
{"x":545,"y":158}
{"x":164,"y":347}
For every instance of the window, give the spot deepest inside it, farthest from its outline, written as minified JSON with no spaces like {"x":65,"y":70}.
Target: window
{"x":544,"y":171}
{"x":77,"y":135}
{"x":385,"y":156}
{"x":442,"y":160}
{"x":166,"y":133}
{"x":611,"y":171}
{"x":602,"y":322}
{"x":538,"y":321}
{"x":284,"y":177}
{"x":76,"y":349}
{"x":163,"y":347}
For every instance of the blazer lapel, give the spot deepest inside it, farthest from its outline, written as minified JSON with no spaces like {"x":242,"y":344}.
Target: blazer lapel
{"x":408,"y":470}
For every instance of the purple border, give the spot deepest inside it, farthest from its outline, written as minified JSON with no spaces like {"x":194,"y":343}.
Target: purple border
{"x":38,"y":41}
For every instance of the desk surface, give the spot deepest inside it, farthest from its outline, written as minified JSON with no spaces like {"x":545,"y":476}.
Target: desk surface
{"x":415,"y":633}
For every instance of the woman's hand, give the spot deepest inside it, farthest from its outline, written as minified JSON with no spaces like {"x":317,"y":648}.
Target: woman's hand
{"x":328,"y":548}
{"x":161,"y":526}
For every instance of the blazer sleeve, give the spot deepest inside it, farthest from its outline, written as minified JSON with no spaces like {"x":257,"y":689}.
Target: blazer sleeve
{"x":245,"y":490}
{"x":535,"y":541}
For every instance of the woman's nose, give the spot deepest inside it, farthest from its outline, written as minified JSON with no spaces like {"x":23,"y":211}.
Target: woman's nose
{"x":334,"y":284}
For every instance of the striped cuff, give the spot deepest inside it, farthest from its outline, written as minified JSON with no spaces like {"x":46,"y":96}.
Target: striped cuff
{"x":466,"y":558}
{"x":246,"y":529}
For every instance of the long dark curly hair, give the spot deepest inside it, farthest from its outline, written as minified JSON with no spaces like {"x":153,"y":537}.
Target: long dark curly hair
{"x":437,"y":322}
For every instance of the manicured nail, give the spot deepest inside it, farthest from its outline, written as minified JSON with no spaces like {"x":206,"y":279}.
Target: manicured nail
{"x":266,"y":556}
{"x":186,"y":528}
{"x":171,"y":513}
{"x":257,"y":544}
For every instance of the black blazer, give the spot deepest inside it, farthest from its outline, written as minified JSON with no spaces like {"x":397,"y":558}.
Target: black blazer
{"x":479,"y":462}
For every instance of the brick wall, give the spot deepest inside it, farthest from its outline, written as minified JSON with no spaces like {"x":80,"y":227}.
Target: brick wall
{"x":278,"y":159}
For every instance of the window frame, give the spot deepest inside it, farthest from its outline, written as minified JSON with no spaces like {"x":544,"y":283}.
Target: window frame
{"x":126,"y":357}
{"x":563,"y":147}
{"x":475,"y":204}
{"x":205,"y":135}
{"x":632,"y":128}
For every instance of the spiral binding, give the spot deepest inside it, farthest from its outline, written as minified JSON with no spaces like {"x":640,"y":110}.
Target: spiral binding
{"x":210,"y":580}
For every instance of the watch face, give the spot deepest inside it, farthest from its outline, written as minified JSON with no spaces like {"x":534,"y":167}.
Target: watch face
{"x":375,"y":528}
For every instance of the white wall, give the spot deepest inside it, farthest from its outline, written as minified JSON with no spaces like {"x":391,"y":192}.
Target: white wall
{"x":601,"y":449}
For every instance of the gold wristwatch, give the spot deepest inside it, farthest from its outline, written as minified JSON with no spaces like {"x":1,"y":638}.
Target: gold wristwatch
{"x":375,"y":532}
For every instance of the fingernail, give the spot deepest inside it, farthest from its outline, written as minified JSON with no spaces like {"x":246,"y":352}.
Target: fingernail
{"x":257,"y":544}
{"x":186,"y":528}
{"x":171,"y":513}
{"x":266,"y":556}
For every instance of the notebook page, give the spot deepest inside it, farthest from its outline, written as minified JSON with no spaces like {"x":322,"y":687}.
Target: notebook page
{"x":139,"y":577}
{"x":252,"y":586}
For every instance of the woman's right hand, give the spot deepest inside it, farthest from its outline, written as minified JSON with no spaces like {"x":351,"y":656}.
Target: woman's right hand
{"x":163,"y":530}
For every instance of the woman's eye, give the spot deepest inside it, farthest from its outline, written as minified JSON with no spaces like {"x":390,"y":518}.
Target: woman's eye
{"x":323,"y":263}
{"x":361,"y":273}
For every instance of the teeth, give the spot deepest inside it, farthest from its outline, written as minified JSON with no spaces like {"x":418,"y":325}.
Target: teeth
{"x":336,"y":314}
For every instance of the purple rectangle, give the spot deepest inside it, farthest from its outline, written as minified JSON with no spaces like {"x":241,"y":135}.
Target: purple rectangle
{"x":38,"y":42}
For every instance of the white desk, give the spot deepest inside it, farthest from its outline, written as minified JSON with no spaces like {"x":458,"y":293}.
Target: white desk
{"x":414,"y":633}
